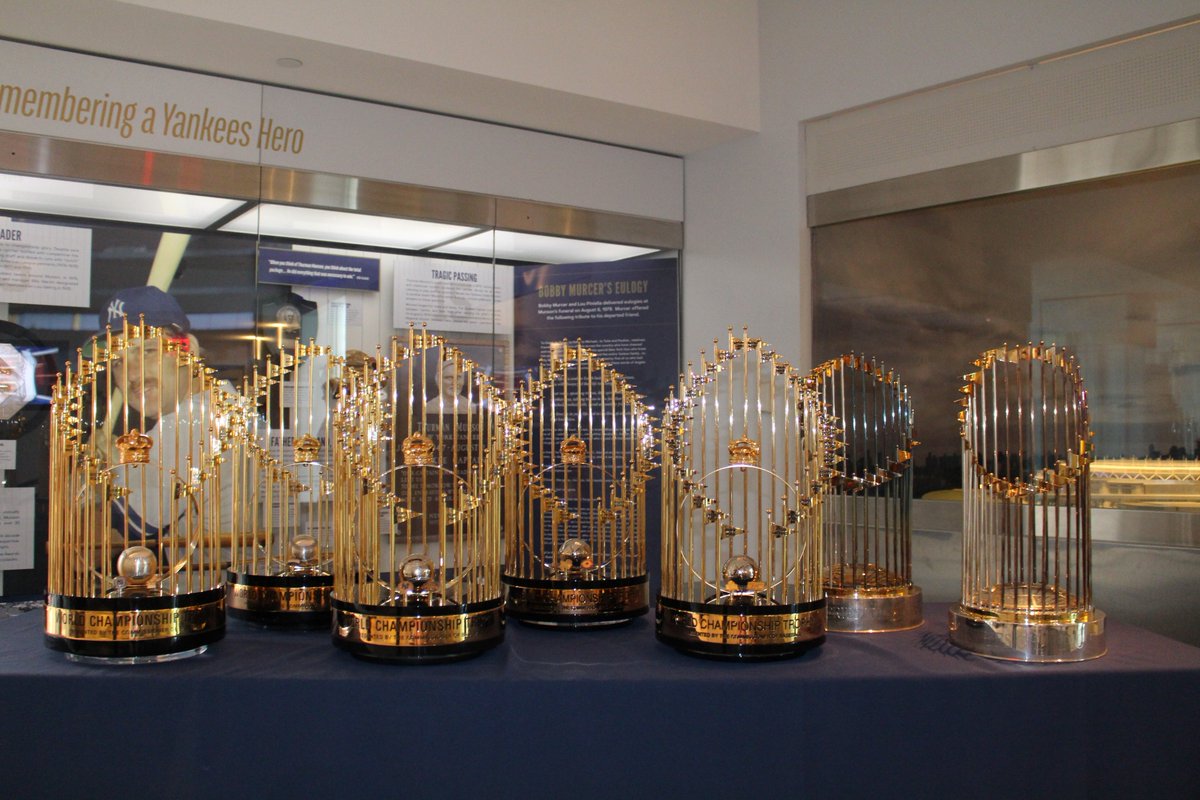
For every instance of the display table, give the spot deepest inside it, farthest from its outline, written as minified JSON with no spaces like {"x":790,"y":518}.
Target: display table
{"x":601,"y":714}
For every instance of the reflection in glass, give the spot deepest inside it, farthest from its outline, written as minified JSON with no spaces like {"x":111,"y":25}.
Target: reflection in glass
{"x":1107,"y":268}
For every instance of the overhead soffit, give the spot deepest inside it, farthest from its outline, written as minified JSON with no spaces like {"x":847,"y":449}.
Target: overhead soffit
{"x":1159,"y":147}
{"x":41,"y":156}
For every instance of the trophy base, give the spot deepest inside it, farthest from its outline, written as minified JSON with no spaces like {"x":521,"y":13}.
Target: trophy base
{"x":107,"y":662}
{"x":576,"y":603}
{"x":878,"y":612}
{"x":295,"y":602}
{"x":134,"y":630}
{"x":417,"y":634}
{"x":740,"y":632}
{"x":1012,"y":638}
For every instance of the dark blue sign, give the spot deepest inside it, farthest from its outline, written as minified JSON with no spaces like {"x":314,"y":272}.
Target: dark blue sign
{"x":299,"y":268}
{"x":627,"y":312}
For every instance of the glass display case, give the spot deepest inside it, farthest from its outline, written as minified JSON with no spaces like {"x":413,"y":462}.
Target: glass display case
{"x":261,"y":263}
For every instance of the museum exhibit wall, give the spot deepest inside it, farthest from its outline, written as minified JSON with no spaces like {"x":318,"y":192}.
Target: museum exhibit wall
{"x":673,"y":76}
{"x":728,"y":86}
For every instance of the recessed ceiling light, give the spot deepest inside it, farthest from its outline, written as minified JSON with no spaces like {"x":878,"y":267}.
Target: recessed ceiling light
{"x":297,"y":222}
{"x":537,"y":248}
{"x":289,"y":63}
{"x":121,"y":203}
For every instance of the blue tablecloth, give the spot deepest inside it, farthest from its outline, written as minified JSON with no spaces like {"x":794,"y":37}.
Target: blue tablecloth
{"x":609,"y":713}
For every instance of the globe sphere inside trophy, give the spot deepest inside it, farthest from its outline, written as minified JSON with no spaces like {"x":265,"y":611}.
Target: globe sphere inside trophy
{"x":138,"y":433}
{"x":418,"y":480}
{"x":281,"y":554}
{"x":746,"y":457}
{"x":575,"y":501}
{"x":868,"y":511}
{"x":1027,"y":446}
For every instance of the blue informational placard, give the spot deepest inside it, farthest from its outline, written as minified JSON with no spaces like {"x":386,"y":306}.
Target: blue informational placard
{"x":627,"y":312}
{"x":301,"y":268}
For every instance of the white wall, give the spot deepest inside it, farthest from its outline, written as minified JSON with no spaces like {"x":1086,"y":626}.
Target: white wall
{"x":688,"y":57}
{"x":747,"y":248}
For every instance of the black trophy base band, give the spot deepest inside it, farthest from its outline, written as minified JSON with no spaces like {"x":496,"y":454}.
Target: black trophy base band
{"x":576,"y":603}
{"x":481,"y":627}
{"x":280,"y":601}
{"x":284,"y":620}
{"x":740,"y":633}
{"x":197,"y":620}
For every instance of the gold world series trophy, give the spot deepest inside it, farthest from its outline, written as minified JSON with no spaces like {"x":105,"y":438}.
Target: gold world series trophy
{"x":746,"y":454}
{"x":418,"y":481}
{"x":136,"y":472}
{"x":575,"y":501}
{"x":1027,"y":444}
{"x":868,"y":511}
{"x":281,"y":554}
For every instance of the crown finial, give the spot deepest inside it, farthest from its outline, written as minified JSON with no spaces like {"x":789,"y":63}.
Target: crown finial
{"x":419,"y":451}
{"x":573,"y":450}
{"x":134,"y":447}
{"x":744,"y":452}
{"x":307,"y":449}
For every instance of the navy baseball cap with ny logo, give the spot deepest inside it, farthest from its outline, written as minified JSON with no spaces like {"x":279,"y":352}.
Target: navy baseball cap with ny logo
{"x":150,"y":303}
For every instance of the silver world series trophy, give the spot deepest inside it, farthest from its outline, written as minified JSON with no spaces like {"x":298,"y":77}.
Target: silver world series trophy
{"x":1027,"y":446}
{"x":868,"y":511}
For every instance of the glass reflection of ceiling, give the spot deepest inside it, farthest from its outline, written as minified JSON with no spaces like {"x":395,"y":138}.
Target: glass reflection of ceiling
{"x":36,"y":195}
{"x":345,"y":227}
{"x":52,"y":196}
{"x":536,"y":248}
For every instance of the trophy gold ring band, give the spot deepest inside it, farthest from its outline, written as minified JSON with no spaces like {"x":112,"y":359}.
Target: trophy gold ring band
{"x":740,"y":632}
{"x":134,"y":628}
